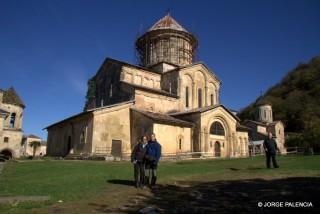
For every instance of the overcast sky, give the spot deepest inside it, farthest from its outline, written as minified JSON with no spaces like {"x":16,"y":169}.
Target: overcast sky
{"x":49,"y":49}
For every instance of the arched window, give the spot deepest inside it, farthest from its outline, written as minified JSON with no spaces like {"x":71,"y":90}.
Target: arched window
{"x":217,"y":129}
{"x":199,"y":97}
{"x":211,"y":99}
{"x":180,"y":144}
{"x":187,"y":96}
{"x":12,"y":120}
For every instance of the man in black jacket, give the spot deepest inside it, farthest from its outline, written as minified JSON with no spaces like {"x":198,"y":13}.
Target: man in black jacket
{"x":138,"y":159}
{"x":270,"y":146}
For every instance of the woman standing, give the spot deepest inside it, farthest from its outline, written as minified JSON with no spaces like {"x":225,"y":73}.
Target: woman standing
{"x":138,"y":160}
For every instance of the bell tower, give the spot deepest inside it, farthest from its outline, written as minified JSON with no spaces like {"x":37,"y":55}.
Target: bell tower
{"x":264,"y":113}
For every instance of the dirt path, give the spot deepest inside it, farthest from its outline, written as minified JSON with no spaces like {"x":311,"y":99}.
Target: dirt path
{"x":18,"y":199}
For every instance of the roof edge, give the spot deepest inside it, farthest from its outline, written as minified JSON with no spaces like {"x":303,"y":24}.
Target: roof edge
{"x":88,"y":112}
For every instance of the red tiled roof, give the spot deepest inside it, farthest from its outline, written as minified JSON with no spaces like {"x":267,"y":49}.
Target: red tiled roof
{"x":167,"y":22}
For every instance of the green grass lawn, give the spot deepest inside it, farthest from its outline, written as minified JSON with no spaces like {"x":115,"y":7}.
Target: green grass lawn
{"x":84,"y":186}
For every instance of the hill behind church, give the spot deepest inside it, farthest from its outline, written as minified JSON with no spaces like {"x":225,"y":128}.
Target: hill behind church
{"x":296,"y":102}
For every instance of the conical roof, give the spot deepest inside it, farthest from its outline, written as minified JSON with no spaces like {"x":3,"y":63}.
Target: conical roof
{"x":10,"y":96}
{"x":167,"y":22}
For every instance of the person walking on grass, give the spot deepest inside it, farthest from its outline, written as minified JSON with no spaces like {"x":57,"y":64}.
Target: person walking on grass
{"x":270,"y":147}
{"x":153,"y":155}
{"x":138,"y":160}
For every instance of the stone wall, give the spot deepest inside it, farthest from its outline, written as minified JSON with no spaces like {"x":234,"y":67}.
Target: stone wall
{"x":11,"y":132}
{"x":196,"y":120}
{"x":112,"y":125}
{"x":107,"y":85}
{"x":169,"y":82}
{"x":278,"y":131}
{"x":65,"y":137}
{"x":170,"y":136}
{"x":155,"y":102}
{"x":140,"y":77}
{"x":14,"y":142}
{"x":18,"y":118}
{"x":242,"y":143}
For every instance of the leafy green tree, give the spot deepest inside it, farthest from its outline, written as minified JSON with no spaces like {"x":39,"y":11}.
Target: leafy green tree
{"x":90,"y":93}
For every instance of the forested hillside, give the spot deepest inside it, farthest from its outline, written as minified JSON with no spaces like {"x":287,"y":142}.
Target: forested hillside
{"x":296,"y":101}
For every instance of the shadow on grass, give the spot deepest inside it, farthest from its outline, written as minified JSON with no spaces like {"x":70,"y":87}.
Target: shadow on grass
{"x":234,"y":169}
{"x":249,"y":168}
{"x":122,"y":182}
{"x":240,"y":196}
{"x":255,"y":168}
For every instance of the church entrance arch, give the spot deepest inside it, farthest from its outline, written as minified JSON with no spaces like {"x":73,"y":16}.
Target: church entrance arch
{"x":218,"y":130}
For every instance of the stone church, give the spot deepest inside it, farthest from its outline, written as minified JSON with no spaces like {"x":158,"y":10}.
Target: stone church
{"x":262,"y":124}
{"x":168,"y":94}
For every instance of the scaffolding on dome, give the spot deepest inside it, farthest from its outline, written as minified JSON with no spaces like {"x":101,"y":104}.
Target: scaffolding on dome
{"x":165,"y":44}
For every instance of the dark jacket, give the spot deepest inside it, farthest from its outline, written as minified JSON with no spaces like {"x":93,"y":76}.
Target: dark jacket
{"x":270,"y":146}
{"x":138,"y":152}
{"x":153,"y":151}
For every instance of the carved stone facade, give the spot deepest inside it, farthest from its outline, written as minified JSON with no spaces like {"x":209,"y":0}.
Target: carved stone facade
{"x":174,"y":98}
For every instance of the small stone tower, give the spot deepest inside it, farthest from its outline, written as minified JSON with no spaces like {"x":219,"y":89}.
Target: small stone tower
{"x":263,"y":113}
{"x":166,"y":41}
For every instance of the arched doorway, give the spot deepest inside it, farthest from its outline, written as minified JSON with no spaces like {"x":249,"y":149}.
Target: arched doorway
{"x":5,"y":155}
{"x":217,"y":149}
{"x":217,"y":134}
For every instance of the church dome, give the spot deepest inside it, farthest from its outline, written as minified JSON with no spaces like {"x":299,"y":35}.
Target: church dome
{"x":166,"y":41}
{"x":167,"y":22}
